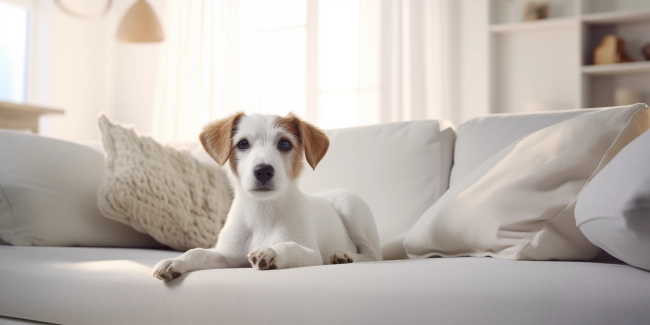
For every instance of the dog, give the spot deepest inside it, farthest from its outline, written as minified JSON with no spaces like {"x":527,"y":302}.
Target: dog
{"x":271,"y":223}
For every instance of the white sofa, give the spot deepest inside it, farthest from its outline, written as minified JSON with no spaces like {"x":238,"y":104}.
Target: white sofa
{"x":400,"y":170}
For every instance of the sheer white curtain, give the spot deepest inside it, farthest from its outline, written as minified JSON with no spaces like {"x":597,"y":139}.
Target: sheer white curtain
{"x":416,"y":65}
{"x":196,"y":72}
{"x":337,"y":63}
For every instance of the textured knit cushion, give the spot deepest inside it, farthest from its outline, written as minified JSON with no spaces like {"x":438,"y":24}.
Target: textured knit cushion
{"x":520,"y":203}
{"x":161,"y":191}
{"x":614,"y":209}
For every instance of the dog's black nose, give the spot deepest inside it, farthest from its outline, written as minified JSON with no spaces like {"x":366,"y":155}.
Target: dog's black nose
{"x":264,"y":173}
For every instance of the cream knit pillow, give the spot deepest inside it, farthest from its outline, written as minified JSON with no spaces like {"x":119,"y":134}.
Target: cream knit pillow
{"x":520,"y":203}
{"x":160,"y":190}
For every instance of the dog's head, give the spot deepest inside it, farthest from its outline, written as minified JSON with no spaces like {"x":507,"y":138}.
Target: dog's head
{"x":265,"y":151}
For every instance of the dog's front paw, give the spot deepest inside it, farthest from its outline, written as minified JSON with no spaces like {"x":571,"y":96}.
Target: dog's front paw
{"x":170,"y":269}
{"x":340,"y":257}
{"x":263,"y":258}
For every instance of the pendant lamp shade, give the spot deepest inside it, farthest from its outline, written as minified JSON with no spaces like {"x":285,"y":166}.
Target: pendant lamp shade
{"x":140,"y":24}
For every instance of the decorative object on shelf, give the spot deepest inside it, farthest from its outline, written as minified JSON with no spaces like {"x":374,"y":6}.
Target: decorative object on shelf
{"x":140,"y":24}
{"x":626,"y":96}
{"x":646,"y":51}
{"x":535,"y":10}
{"x":611,"y":50}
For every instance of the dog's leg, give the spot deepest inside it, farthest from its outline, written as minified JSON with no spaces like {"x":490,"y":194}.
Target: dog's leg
{"x":193,"y":260}
{"x":360,"y":224}
{"x":284,"y":255}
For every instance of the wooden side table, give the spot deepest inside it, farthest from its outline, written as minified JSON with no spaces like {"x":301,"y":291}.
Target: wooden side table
{"x":22,"y":117}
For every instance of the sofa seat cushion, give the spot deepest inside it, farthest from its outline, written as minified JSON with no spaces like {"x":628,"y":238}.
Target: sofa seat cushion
{"x":115,"y":286}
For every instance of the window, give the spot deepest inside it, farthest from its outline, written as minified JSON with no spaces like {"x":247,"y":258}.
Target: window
{"x":338,"y":67}
{"x":274,"y":58}
{"x":14,"y":50}
{"x":319,"y":59}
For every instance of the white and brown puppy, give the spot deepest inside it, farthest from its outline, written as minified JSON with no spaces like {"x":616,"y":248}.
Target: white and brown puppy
{"x":272,"y":224}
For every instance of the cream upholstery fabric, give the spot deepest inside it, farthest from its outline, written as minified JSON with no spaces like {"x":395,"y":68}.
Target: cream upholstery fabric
{"x":161,"y":191}
{"x":18,"y":321}
{"x":520,"y":203}
{"x":398,"y":169}
{"x":481,"y":138}
{"x":48,"y":195}
{"x":614,"y":209}
{"x":115,"y":286}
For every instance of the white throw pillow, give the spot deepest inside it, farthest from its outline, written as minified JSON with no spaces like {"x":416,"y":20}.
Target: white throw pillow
{"x":481,"y":138}
{"x":520,"y":203}
{"x":613,"y":211}
{"x":160,"y":190}
{"x":48,"y":191}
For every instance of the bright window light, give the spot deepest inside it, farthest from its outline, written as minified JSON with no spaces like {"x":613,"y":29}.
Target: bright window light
{"x":338,"y":55}
{"x":267,"y":14}
{"x":272,"y":56}
{"x":13,"y":52}
{"x":281,"y":71}
{"x":338,"y":43}
{"x":337,"y":110}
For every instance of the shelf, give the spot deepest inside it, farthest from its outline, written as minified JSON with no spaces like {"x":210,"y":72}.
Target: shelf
{"x":617,"y":17}
{"x":533,"y":25}
{"x":617,"y":68}
{"x":28,"y":109}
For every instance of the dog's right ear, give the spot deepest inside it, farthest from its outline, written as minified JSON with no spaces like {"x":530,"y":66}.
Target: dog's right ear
{"x":216,"y":137}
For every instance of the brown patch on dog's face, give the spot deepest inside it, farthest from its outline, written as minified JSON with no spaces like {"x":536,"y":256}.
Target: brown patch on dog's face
{"x":216,"y":139}
{"x":233,"y":163}
{"x":291,"y":124}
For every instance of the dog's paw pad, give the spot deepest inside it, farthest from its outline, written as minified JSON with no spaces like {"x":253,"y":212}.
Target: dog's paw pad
{"x":263,"y":259}
{"x":340,"y":257}
{"x":169,"y":269}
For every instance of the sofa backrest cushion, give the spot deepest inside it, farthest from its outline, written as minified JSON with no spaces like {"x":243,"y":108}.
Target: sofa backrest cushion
{"x":480,"y":138}
{"x":48,"y":195}
{"x":398,"y":169}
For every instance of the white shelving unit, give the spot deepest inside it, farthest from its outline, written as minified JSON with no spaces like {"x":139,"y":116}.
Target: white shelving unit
{"x":617,"y":69}
{"x":547,"y":64}
{"x":532,"y":25}
{"x":617,"y":17}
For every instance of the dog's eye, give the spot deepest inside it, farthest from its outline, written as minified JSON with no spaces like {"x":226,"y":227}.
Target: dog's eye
{"x":243,"y":144}
{"x":284,"y":145}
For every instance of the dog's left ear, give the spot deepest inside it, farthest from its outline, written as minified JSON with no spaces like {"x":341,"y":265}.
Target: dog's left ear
{"x":216,"y":137}
{"x":314,"y":141}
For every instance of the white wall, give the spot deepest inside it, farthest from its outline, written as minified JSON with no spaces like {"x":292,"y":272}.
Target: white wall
{"x":84,"y":70}
{"x":135,"y":70}
{"x":473,"y":63}
{"x":71,"y":73}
